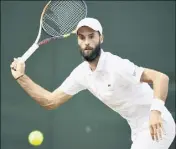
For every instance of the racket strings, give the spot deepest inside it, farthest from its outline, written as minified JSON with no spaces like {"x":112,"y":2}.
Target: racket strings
{"x":61,"y":17}
{"x":50,"y":24}
{"x":66,"y":18}
{"x":69,"y":19}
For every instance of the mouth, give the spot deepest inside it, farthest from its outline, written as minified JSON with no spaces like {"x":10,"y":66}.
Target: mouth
{"x":88,"y":49}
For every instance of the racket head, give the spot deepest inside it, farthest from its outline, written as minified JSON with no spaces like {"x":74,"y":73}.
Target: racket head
{"x":60,"y":18}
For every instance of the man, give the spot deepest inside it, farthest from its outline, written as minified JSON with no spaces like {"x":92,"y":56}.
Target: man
{"x":117,"y":82}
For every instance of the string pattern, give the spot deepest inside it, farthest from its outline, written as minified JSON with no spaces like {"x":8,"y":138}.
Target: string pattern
{"x":62,"y":17}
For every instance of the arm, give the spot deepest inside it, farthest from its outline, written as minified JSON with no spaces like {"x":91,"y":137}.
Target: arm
{"x":45,"y":98}
{"x":138,"y":74}
{"x":160,"y":83}
{"x":159,"y":80}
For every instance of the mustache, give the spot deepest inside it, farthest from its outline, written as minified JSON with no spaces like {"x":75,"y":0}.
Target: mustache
{"x":88,"y":48}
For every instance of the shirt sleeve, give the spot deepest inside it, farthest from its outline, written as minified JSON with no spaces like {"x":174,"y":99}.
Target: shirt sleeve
{"x":127,"y":69}
{"x":72,"y":84}
{"x":132,"y":71}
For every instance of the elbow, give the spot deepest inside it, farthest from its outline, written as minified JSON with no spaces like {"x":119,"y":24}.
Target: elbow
{"x":50,"y":107}
{"x":165,"y":77}
{"x":162,"y":78}
{"x":51,"y":104}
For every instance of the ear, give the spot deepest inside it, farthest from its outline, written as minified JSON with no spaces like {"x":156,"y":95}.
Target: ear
{"x":101,"y":38}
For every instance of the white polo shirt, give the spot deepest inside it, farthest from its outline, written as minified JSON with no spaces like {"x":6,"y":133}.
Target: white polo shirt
{"x":116,"y":82}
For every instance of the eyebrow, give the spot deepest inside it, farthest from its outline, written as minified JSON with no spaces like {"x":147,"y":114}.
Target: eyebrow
{"x":87,"y":35}
{"x":91,"y":34}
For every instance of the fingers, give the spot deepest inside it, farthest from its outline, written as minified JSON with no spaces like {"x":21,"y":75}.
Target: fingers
{"x":156,"y":131}
{"x":17,"y":64}
{"x":152,"y":132}
{"x":159,"y":131}
{"x":13,"y":65}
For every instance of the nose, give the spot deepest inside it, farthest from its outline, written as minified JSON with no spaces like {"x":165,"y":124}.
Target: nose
{"x":86,"y":42}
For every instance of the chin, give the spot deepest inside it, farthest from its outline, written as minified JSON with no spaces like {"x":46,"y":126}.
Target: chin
{"x":87,"y":52}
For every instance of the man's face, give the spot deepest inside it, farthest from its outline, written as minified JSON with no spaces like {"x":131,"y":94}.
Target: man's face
{"x":89,"y":42}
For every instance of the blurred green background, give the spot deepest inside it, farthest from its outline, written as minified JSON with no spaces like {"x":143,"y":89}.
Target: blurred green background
{"x":143,"y":32}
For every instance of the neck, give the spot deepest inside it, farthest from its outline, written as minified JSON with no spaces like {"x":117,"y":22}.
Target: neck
{"x":93,"y":64}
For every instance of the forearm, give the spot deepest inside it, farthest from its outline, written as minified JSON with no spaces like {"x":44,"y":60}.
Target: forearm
{"x":39,"y":94}
{"x":160,"y":87}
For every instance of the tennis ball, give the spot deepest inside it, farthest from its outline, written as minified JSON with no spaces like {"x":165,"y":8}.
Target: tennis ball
{"x":35,"y":138}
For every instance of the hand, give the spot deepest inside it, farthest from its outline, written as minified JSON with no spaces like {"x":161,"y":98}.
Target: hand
{"x":156,"y":125}
{"x":17,"y":68}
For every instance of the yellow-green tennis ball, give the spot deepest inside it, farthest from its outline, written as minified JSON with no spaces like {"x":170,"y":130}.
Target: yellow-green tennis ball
{"x":35,"y":138}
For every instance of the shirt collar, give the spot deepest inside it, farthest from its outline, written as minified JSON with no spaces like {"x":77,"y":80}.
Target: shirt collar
{"x":101,"y":61}
{"x":100,"y":64}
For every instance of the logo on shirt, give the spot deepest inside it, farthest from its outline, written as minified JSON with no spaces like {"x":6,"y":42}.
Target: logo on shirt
{"x":134,"y":72}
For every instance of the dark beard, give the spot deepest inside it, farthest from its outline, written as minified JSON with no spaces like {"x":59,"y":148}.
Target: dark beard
{"x":93,"y":55}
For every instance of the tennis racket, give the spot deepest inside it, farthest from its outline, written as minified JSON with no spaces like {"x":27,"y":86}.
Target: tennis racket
{"x":58,"y":20}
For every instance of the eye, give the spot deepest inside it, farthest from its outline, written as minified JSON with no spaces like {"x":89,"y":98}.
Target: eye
{"x":81,"y":37}
{"x":91,"y":36}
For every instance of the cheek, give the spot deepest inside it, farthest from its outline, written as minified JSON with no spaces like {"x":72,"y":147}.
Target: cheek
{"x":94,"y":44}
{"x":81,"y":44}
{"x":80,"y":41}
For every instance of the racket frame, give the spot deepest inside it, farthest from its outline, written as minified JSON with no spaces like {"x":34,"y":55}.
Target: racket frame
{"x":36,"y":45}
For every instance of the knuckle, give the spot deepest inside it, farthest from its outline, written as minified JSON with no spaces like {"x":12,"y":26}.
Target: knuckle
{"x":153,"y":125}
{"x":150,"y":125}
{"x":152,"y":133}
{"x":160,"y":122}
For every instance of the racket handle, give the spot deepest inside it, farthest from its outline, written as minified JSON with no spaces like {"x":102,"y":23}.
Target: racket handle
{"x":29,"y":52}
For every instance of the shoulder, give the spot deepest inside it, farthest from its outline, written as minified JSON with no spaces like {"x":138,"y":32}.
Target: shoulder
{"x":80,"y":69}
{"x":115,"y":59}
{"x":79,"y":72}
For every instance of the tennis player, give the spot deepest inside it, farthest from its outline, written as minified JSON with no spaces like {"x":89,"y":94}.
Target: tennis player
{"x":117,"y":82}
